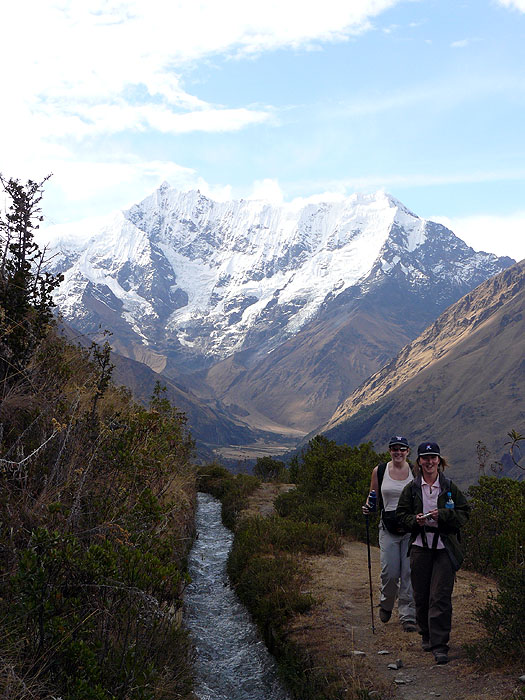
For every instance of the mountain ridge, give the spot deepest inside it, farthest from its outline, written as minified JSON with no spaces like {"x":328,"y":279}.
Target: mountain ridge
{"x":278,"y":313}
{"x":464,"y":373}
{"x":183,"y":272}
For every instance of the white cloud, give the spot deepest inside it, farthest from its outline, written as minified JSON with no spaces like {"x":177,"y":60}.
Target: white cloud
{"x":211,"y":120}
{"x":460,"y":44}
{"x":515,"y":4}
{"x":91,"y":53}
{"x":87,"y":188}
{"x":390,"y":181}
{"x":443,"y":93}
{"x":502,"y":235}
{"x":268,"y":190}
{"x":78,"y":72}
{"x":86,"y":180}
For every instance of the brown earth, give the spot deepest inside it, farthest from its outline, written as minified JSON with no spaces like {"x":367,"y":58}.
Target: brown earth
{"x":337,"y":632}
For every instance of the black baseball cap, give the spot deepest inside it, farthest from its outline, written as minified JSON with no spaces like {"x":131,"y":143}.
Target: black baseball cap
{"x":428,"y":448}
{"x":397,"y":440}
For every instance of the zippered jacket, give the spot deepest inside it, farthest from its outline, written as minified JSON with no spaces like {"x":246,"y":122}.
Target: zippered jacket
{"x":450,"y":520}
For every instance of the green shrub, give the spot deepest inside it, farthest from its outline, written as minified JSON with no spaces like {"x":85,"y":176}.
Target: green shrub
{"x":332,"y":483}
{"x":502,"y":617}
{"x":494,"y":538}
{"x":270,"y":587}
{"x":94,"y":531}
{"x":232,"y":490}
{"x":235,"y":498}
{"x":275,"y":534}
{"x":495,"y":532}
{"x":269,"y":469}
{"x":214,"y":479}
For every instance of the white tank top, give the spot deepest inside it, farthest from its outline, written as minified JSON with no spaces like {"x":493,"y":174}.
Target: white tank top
{"x":391,"y":489}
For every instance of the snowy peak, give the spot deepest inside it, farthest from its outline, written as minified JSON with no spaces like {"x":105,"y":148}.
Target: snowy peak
{"x":196,"y":278}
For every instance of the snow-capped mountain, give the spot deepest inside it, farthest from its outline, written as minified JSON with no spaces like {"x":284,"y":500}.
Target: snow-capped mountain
{"x":185,"y":280}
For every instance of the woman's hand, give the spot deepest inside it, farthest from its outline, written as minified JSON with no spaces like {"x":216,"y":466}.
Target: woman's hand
{"x":423,"y":518}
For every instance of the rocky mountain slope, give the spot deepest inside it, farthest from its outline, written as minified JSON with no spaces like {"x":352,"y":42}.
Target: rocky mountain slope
{"x":276,"y":312}
{"x":459,"y":382}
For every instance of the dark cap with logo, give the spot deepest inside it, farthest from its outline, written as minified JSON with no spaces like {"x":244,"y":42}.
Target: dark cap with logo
{"x":398,"y":440}
{"x":428,"y":448}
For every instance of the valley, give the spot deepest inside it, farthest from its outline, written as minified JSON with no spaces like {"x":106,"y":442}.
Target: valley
{"x":262,"y":321}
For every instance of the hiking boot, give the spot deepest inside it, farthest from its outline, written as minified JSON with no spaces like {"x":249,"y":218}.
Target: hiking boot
{"x":409,"y":626}
{"x":384,"y":615}
{"x":441,"y":658}
{"x":425,"y":644}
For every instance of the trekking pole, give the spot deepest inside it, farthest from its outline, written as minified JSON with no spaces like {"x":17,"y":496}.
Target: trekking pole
{"x":370,"y":572}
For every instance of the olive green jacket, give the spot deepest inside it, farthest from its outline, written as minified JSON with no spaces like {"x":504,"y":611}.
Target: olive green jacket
{"x":449,"y":520}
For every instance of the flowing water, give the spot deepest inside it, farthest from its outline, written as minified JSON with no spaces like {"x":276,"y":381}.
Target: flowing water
{"x":232,"y":662}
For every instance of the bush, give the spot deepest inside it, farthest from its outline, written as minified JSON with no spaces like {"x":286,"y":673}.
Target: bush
{"x":275,"y":534}
{"x":332,"y":483}
{"x":269,"y":469}
{"x":214,"y":479}
{"x":502,"y":619}
{"x":494,"y":539}
{"x":270,"y":587}
{"x":495,"y":532}
{"x":232,"y":491}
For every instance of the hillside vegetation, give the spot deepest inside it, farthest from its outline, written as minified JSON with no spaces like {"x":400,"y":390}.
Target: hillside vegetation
{"x":96,"y":505}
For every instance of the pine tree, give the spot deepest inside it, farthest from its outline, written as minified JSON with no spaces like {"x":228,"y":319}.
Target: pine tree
{"x":26,"y":304}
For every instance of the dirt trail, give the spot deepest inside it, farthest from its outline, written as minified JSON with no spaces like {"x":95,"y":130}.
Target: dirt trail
{"x":338,"y":631}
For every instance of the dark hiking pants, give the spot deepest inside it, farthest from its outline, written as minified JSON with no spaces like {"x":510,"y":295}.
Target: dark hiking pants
{"x":432,"y":582}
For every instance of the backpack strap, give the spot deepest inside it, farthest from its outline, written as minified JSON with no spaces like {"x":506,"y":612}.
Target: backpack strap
{"x":380,"y":474}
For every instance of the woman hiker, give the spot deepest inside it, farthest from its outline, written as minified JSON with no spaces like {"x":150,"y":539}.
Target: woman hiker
{"x":388,"y":481}
{"x":433,"y":509}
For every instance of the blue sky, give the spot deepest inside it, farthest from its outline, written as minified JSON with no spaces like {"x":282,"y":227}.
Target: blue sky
{"x":275,"y":99}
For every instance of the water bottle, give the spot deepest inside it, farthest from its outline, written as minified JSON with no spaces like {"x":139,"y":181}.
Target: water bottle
{"x":372,"y":501}
{"x":450,"y":502}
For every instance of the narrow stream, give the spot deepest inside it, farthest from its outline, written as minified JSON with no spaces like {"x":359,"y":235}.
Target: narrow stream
{"x":232,"y":662}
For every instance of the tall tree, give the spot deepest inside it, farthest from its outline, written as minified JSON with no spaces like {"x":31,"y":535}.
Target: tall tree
{"x":26,"y":302}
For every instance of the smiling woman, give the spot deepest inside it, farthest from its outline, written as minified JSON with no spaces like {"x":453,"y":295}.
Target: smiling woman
{"x":388,"y":480}
{"x":433,"y":509}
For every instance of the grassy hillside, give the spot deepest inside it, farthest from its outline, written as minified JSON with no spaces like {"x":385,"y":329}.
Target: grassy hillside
{"x":96,"y":519}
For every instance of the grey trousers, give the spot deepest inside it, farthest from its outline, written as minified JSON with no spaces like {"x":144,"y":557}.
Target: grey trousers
{"x":395,"y":575}
{"x":433,"y":580}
